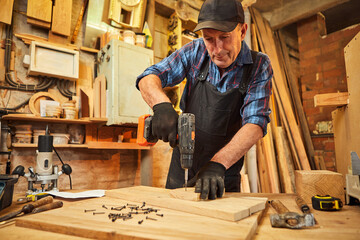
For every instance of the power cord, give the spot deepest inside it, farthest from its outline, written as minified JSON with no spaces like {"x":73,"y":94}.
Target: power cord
{"x":65,"y":167}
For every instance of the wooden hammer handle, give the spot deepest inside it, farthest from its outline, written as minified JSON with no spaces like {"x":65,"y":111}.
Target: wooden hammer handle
{"x":49,"y":206}
{"x":43,"y":201}
{"x":278,"y":206}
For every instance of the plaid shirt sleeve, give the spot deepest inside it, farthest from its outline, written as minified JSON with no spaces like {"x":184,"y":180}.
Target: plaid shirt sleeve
{"x":256,"y":103}
{"x":173,"y":69}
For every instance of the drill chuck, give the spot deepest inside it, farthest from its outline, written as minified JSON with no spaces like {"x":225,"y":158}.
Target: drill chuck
{"x":186,"y":160}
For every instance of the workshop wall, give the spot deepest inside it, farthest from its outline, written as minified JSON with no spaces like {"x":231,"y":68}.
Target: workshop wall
{"x":92,"y":169}
{"x":322,"y":70}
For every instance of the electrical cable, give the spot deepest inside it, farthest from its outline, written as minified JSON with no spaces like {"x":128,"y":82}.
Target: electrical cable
{"x":8,"y":78}
{"x":63,"y":165}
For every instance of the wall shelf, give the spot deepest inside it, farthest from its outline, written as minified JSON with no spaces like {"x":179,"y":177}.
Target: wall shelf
{"x":89,"y":145}
{"x":31,"y":117}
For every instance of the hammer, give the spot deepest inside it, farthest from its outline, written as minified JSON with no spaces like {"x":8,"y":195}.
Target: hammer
{"x":287,"y":219}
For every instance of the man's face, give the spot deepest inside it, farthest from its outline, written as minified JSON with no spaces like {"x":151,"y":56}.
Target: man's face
{"x":224,"y":47}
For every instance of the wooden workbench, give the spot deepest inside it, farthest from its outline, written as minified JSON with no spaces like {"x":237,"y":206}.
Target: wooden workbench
{"x":342,"y":224}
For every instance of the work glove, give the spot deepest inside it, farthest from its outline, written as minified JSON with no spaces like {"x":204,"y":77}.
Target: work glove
{"x":164,"y":123}
{"x":210,"y":181}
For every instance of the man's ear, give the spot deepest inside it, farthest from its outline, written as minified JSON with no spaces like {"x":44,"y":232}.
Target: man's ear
{"x":243,"y":30}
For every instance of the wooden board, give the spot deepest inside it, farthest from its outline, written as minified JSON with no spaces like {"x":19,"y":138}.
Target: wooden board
{"x":97,"y":97}
{"x":72,"y":220}
{"x":188,"y":194}
{"x":61,"y":20}
{"x":102,"y":96}
{"x":38,"y":23}
{"x":331,"y":99}
{"x":231,"y":209}
{"x":269,"y":46}
{"x":6,"y":10}
{"x":346,"y":119}
{"x":40,"y":10}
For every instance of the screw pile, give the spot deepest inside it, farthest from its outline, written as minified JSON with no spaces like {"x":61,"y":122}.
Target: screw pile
{"x":134,"y":209}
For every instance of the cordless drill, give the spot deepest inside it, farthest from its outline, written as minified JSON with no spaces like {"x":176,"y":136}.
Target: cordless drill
{"x":185,"y":138}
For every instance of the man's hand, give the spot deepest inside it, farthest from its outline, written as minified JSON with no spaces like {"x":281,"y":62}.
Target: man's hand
{"x":210,"y":181}
{"x":164,"y":123}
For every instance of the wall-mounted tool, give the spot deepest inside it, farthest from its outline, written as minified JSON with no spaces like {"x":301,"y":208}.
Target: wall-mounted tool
{"x":186,"y":138}
{"x":326,"y":203}
{"x":45,"y":173}
{"x":286,"y":219}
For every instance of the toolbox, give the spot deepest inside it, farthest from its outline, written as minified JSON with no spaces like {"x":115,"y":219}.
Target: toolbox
{"x":7,"y":183}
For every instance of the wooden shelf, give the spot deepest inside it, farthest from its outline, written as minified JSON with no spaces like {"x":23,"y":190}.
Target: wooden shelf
{"x":115,"y":145}
{"x":31,"y":117}
{"x":34,"y":145}
{"x":89,"y":145}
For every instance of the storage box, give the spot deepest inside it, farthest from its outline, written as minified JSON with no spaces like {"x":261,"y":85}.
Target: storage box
{"x":319,"y":182}
{"x":7,"y":183}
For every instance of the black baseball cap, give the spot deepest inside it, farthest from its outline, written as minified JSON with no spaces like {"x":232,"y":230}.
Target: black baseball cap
{"x":222,"y":15}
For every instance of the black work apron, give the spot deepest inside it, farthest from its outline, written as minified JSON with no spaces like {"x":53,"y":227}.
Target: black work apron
{"x":217,"y":120}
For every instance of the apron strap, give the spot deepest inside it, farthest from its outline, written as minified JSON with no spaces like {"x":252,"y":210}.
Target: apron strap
{"x":204,"y":70}
{"x":247,"y":73}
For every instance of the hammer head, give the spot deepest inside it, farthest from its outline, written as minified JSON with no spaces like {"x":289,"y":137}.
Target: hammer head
{"x":292,"y":220}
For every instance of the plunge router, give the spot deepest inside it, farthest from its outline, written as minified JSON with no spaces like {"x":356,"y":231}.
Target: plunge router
{"x":185,"y":137}
{"x":45,"y":172}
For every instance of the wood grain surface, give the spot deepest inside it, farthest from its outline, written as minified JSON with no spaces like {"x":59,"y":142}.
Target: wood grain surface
{"x":72,"y":220}
{"x":226,"y":208}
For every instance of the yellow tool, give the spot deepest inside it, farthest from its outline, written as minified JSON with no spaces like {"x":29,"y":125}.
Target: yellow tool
{"x":32,"y":197}
{"x":326,"y":203}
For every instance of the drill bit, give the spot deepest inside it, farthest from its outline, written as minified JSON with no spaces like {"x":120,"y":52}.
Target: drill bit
{"x":186,"y":178}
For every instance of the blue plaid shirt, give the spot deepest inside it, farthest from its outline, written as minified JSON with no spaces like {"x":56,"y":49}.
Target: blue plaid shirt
{"x":186,"y":62}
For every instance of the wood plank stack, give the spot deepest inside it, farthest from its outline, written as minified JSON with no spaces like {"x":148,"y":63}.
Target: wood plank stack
{"x":287,"y":145}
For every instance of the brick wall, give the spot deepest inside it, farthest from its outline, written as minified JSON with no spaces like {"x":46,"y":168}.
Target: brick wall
{"x":322,"y":70}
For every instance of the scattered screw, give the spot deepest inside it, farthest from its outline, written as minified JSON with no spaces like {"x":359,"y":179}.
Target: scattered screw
{"x":147,"y":217}
{"x":94,"y":213}
{"x":89,"y":210}
{"x":133,"y":205}
{"x":143,"y":205}
{"x":140,"y":222}
{"x":104,"y":206}
{"x":161,"y":215}
{"x":118,"y":208}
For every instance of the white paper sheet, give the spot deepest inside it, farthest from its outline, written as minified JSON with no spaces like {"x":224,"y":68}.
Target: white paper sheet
{"x":86,"y":194}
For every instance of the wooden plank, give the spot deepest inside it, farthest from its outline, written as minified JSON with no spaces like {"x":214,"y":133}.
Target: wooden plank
{"x":97,"y":96}
{"x":231,"y":209}
{"x":189,"y":194}
{"x":286,"y":168}
{"x":71,"y":220}
{"x":90,"y":50}
{"x":102,"y":96}
{"x":331,"y":99}
{"x":268,"y":42}
{"x":39,"y":10}
{"x":263,"y":172}
{"x":56,"y":38}
{"x":114,"y":145}
{"x":319,"y":182}
{"x":61,"y":20}
{"x":346,"y":119}
{"x":292,"y":79}
{"x":12,"y":232}
{"x":38,"y":23}
{"x":268,"y":147}
{"x":6,"y":11}
{"x":294,"y":11}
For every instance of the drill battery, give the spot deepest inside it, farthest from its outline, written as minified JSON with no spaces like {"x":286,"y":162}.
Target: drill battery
{"x":326,"y":203}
